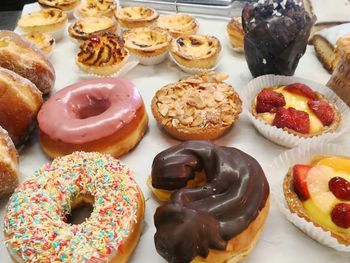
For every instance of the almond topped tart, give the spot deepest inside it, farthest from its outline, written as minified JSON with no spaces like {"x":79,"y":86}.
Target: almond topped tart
{"x":43,"y":41}
{"x":236,"y":34}
{"x":297,"y":109}
{"x":102,"y":55}
{"x":65,"y":5}
{"x":96,"y":8}
{"x":178,"y":24}
{"x":84,"y":28}
{"x":200,"y":107}
{"x":196,"y":51}
{"x":136,"y":16}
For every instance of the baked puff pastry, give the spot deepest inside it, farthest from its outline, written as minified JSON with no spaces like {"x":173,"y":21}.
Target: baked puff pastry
{"x":136,"y":16}
{"x":65,"y":5}
{"x":178,"y":24}
{"x":235,"y":33}
{"x":97,"y":8}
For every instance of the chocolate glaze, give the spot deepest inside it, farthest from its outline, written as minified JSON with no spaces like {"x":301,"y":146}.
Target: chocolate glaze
{"x":196,"y":220}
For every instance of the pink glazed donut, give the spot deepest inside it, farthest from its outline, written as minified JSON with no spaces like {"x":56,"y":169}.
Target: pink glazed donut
{"x":104,"y":115}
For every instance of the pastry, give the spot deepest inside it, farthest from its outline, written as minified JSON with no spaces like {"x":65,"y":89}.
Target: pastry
{"x":97,"y":8}
{"x":43,"y":41}
{"x":297,"y":109}
{"x":9,"y":160}
{"x":20,"y":102}
{"x":178,"y":24}
{"x":39,"y":208}
{"x":103,"y":55}
{"x":147,"y":43}
{"x":26,"y":60}
{"x":235,"y":33}
{"x":319,"y":192}
{"x":219,"y":220}
{"x":136,"y":16}
{"x":84,"y":28}
{"x":275,"y":36}
{"x":197,"y":107}
{"x":104,"y":115}
{"x":65,"y":5}
{"x":196,"y":51}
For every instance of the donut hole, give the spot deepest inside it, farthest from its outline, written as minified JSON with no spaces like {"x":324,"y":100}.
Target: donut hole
{"x":84,"y":106}
{"x":82,"y":208}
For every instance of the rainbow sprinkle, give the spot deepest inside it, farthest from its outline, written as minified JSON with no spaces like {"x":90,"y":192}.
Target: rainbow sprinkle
{"x":34,"y":225}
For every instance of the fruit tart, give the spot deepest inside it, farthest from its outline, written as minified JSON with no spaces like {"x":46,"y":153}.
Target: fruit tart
{"x":102,"y":55}
{"x":136,"y":16}
{"x":297,"y":109}
{"x":43,"y":41}
{"x":178,"y":24}
{"x":319,"y":192}
{"x":64,"y":5}
{"x":97,"y":8}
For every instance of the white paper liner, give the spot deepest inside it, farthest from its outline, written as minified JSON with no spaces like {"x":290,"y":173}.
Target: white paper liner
{"x":193,"y":70}
{"x":280,"y":136}
{"x":279,"y":169}
{"x":148,"y":61}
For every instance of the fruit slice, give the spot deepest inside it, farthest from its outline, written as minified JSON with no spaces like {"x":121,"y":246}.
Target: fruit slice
{"x":341,"y":215}
{"x":323,"y":111}
{"x":301,"y":89}
{"x":340,"y":187}
{"x":339,"y":164}
{"x":291,"y":118}
{"x":299,"y":174}
{"x":268,"y":101}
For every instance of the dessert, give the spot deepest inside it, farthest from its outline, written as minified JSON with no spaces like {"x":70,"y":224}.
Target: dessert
{"x":20,"y":102}
{"x":196,"y":51}
{"x":297,"y":109}
{"x":102,"y":55}
{"x":85,"y":28}
{"x":65,"y":5}
{"x":197,"y":107}
{"x":99,"y":115}
{"x":136,"y":16}
{"x":43,"y":41}
{"x":146,"y":43}
{"x":9,"y":164}
{"x":235,"y":33}
{"x":26,"y":60}
{"x":39,"y":208}
{"x":178,"y":24}
{"x":319,"y":192}
{"x":97,"y":8}
{"x":275,"y":36}
{"x":220,"y":219}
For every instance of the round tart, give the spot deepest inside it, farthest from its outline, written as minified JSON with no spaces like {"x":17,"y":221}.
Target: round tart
{"x":43,"y":41}
{"x":103,"y":55}
{"x":235,"y":33}
{"x":86,"y":27}
{"x":65,"y":5}
{"x":97,"y":8}
{"x":201,"y":107}
{"x":178,"y":24}
{"x":136,"y":16}
{"x":196,"y":51}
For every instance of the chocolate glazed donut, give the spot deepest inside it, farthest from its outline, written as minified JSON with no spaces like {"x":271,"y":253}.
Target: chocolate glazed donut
{"x":198,"y":219}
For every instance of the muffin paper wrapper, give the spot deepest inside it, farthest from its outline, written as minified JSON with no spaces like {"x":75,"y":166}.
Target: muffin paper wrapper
{"x":280,"y":136}
{"x":279,"y":169}
{"x":193,"y":70}
{"x":150,"y":60}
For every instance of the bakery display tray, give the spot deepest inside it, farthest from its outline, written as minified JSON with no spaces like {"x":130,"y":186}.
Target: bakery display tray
{"x":280,"y":240}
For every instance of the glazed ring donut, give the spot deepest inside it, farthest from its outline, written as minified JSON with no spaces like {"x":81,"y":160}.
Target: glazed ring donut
{"x":218,"y":220}
{"x":100,"y":115}
{"x":34,"y":225}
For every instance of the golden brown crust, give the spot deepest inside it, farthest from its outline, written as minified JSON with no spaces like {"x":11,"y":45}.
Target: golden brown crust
{"x":178,"y":24}
{"x":235,"y":32}
{"x":97,"y":8}
{"x":26,"y":60}
{"x":136,"y":16}
{"x":343,"y":47}
{"x":43,"y":41}
{"x":64,"y":5}
{"x":324,"y":51}
{"x":199,"y":107}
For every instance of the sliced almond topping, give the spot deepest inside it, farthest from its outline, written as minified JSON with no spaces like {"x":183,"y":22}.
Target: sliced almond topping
{"x":162,"y":92}
{"x":186,"y":120}
{"x":219,"y":96}
{"x":163,"y":109}
{"x":175,"y":122}
{"x":197,"y":121}
{"x":165,"y":99}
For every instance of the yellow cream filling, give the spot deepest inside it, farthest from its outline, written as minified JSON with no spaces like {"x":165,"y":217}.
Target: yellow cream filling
{"x":94,"y":24}
{"x":196,"y":51}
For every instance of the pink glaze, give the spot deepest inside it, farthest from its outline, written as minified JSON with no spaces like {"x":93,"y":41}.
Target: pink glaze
{"x":89,"y":110}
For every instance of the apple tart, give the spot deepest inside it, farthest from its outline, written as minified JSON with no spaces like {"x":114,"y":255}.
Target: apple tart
{"x":178,"y":24}
{"x":102,"y":55}
{"x":43,"y":41}
{"x":97,"y":8}
{"x":65,"y":5}
{"x":136,"y":16}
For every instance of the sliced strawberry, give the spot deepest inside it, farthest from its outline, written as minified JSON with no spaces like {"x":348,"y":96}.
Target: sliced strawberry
{"x":341,"y":215}
{"x":291,"y":118}
{"x":340,"y":187}
{"x":299,"y":174}
{"x":268,"y":101}
{"x":323,"y":111}
{"x":301,"y":89}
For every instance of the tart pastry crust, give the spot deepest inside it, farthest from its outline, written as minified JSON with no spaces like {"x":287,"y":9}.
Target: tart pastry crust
{"x":178,"y":24}
{"x":65,"y":5}
{"x":136,"y":16}
{"x":97,"y":8}
{"x":43,"y":41}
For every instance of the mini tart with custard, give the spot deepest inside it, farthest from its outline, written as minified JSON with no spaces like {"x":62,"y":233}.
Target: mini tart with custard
{"x":297,"y":109}
{"x":43,"y":41}
{"x":65,"y":5}
{"x":178,"y":24}
{"x":196,"y":51}
{"x":97,"y":8}
{"x":236,"y":34}
{"x":46,"y":20}
{"x":103,"y":55}
{"x":200,"y":107}
{"x":319,"y":192}
{"x":84,"y":28}
{"x":136,"y":16}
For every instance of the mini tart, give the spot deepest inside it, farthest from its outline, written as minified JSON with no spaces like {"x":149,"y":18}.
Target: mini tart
{"x":86,"y":27}
{"x":317,"y":208}
{"x":196,"y":51}
{"x":235,"y":33}
{"x":146,"y":42}
{"x":46,"y":20}
{"x":43,"y":41}
{"x":201,"y":107}
{"x":178,"y":24}
{"x":103,"y":55}
{"x":65,"y":5}
{"x":97,"y":8}
{"x":300,"y":103}
{"x":136,"y":16}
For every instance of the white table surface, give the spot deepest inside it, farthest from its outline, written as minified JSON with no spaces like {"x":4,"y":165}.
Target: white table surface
{"x":280,"y":241}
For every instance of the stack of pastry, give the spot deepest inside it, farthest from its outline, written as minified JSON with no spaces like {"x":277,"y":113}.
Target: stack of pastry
{"x":235,"y":33}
